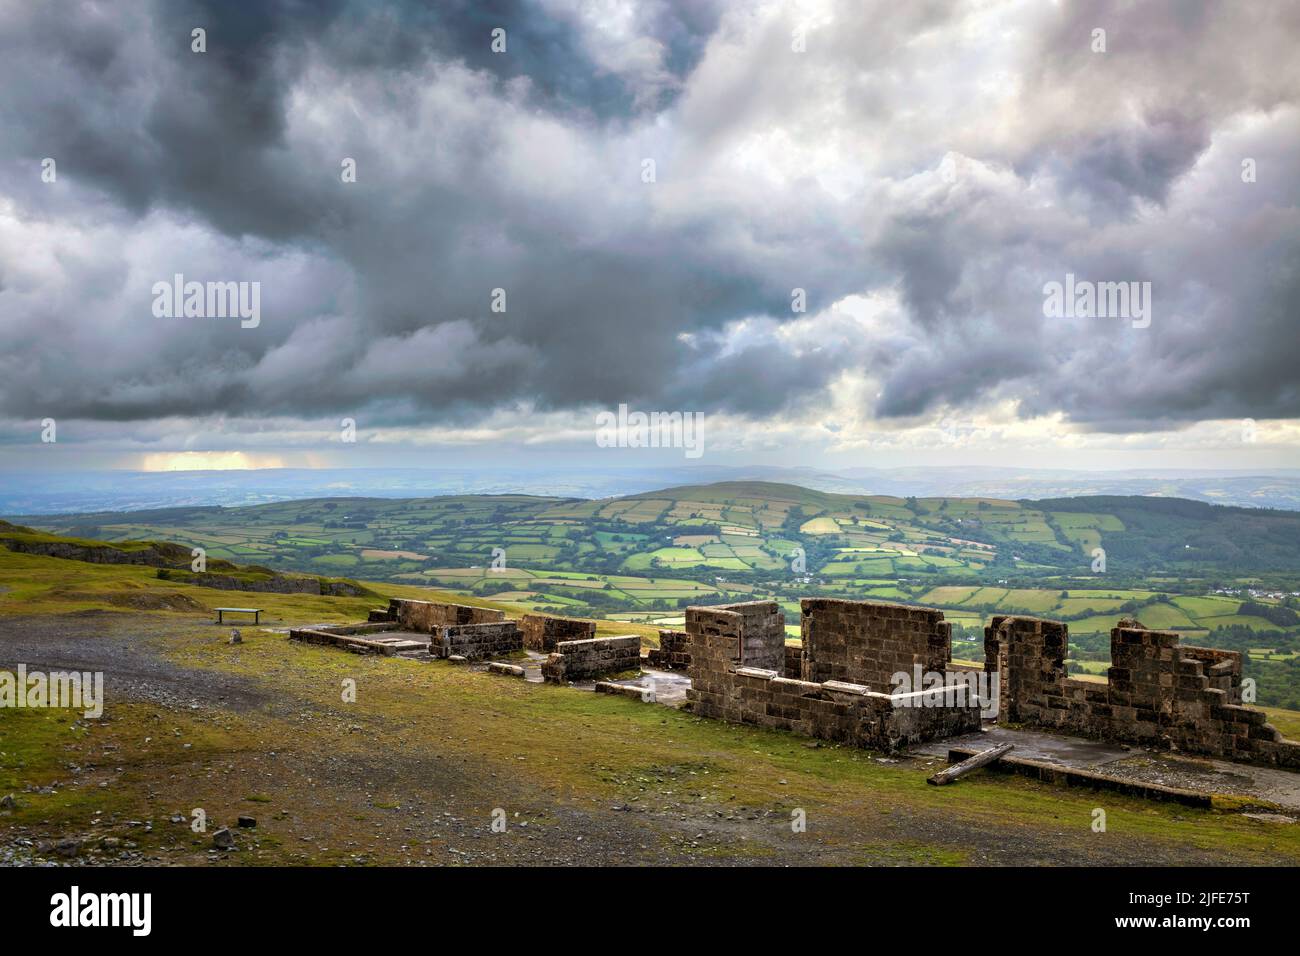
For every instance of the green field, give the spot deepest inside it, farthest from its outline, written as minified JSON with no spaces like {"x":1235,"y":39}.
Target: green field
{"x":648,"y":557}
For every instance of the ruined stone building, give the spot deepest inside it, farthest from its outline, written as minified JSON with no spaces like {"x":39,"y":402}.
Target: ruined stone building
{"x":868,"y":674}
{"x":840,"y":684}
{"x":739,"y":672}
{"x":1158,"y":693}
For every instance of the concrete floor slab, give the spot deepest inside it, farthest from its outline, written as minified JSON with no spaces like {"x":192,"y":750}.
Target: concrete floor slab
{"x":1182,"y":771}
{"x":1036,"y":745}
{"x":669,"y":687}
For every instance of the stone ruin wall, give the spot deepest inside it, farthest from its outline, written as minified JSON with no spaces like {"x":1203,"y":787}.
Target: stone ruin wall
{"x":591,"y":658}
{"x":793,"y":661}
{"x":1225,"y":678}
{"x":864,"y":642}
{"x":358,"y":638}
{"x":761,"y":640}
{"x":714,"y":634}
{"x":837,"y":686}
{"x":425,"y":616}
{"x":542,"y":632}
{"x":673,"y":652}
{"x":728,"y":681}
{"x":1159,"y":693}
{"x":477,"y":641}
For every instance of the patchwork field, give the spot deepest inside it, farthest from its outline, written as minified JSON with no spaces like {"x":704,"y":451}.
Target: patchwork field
{"x":1221,"y":576}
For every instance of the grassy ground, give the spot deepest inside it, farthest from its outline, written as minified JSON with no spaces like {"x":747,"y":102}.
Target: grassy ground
{"x":413,"y":770}
{"x":44,"y":585}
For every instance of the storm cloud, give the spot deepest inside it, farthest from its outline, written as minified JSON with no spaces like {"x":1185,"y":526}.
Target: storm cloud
{"x":945,"y":159}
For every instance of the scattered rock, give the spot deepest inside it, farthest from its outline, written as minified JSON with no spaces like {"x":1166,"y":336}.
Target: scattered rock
{"x":247,"y":823}
{"x":223,"y":839}
{"x":68,"y":848}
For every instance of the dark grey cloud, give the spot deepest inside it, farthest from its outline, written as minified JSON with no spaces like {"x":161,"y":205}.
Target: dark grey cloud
{"x":151,"y":122}
{"x":776,"y":170}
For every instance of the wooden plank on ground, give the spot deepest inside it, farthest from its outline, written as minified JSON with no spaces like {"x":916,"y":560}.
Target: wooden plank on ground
{"x":949,"y":774}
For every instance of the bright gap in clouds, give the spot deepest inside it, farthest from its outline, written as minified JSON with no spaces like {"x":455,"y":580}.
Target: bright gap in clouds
{"x":207,"y":461}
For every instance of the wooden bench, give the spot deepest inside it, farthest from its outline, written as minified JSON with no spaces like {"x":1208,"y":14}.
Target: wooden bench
{"x":255,"y":611}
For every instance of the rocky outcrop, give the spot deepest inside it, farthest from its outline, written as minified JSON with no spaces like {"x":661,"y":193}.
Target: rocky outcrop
{"x":265,"y":581}
{"x":154,"y":554}
{"x":173,"y":563}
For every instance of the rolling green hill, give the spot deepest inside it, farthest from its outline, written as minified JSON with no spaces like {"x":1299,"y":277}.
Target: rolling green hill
{"x":749,"y":530}
{"x":1225,"y":577}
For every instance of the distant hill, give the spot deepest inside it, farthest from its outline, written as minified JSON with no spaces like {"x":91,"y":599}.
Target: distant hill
{"x":1172,"y":533}
{"x":33,"y":493}
{"x":739,"y":527}
{"x":1222,"y":577}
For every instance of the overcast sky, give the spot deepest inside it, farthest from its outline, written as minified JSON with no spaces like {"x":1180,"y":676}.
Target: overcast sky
{"x":920,"y":169}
